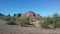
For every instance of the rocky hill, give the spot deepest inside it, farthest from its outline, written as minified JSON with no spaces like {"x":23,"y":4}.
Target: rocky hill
{"x":28,"y":14}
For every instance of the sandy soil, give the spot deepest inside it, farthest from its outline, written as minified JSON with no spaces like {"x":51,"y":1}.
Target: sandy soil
{"x":16,"y":29}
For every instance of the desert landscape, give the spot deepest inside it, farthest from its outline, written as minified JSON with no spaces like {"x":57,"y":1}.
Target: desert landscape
{"x":35,"y":28}
{"x":29,"y":16}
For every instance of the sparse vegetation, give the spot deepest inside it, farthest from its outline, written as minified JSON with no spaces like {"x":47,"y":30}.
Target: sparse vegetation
{"x":11,"y":21}
{"x":48,"y":22}
{"x":23,"y":21}
{"x":54,"y":21}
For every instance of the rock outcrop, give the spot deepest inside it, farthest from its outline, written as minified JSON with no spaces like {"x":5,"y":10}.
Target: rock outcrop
{"x":31,"y":13}
{"x":28,"y":14}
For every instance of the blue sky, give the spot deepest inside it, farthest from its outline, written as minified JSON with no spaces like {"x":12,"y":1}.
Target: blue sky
{"x":42,"y":7}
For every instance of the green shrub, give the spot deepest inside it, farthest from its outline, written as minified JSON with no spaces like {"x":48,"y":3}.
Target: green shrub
{"x":57,"y":24}
{"x":11,"y":21}
{"x":53,"y":21}
{"x":44,"y":25}
{"x":47,"y":21}
{"x":6,"y":18}
{"x":23,"y":21}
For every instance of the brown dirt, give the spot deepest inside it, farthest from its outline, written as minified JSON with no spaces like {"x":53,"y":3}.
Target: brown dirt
{"x":16,"y":29}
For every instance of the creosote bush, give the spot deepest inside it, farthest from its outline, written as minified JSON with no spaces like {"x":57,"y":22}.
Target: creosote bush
{"x":11,"y":21}
{"x":53,"y":21}
{"x":23,"y":21}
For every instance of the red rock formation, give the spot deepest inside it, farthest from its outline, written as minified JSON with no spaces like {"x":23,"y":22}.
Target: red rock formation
{"x":28,"y":14}
{"x":31,"y":13}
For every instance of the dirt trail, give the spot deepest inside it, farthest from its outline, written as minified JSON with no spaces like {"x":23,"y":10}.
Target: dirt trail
{"x":16,"y":29}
